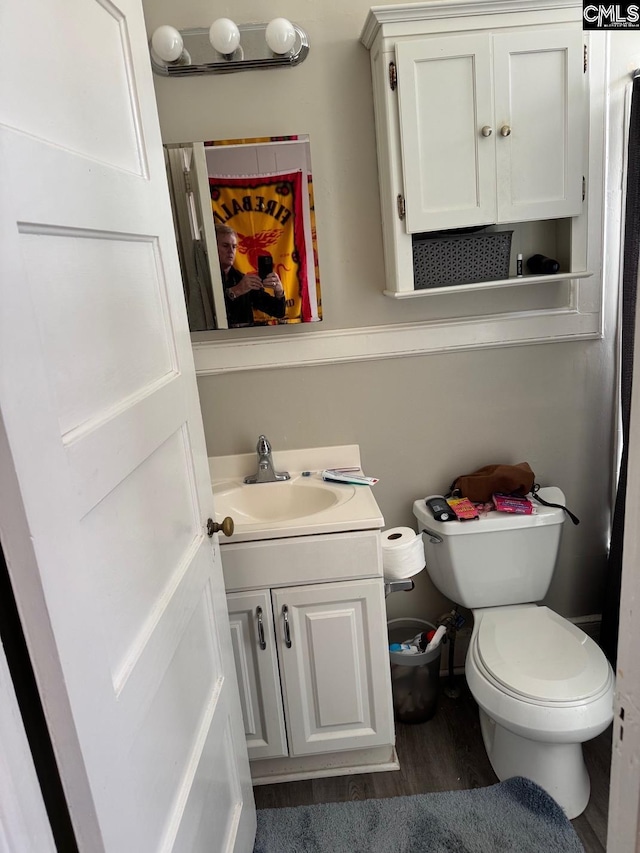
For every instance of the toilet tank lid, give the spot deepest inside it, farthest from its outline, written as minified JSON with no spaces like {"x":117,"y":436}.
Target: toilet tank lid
{"x":495,"y":521}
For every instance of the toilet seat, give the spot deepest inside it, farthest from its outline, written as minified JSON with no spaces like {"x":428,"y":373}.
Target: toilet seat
{"x":549,"y":719}
{"x":540,"y":657}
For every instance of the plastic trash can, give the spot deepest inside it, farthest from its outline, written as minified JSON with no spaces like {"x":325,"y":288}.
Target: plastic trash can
{"x":415,"y":679}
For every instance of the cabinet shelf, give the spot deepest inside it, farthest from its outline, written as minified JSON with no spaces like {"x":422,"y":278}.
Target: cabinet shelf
{"x":488,"y":285}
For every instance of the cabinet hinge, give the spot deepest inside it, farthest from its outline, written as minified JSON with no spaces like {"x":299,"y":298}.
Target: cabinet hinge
{"x":401,"y":210}
{"x":585,"y":59}
{"x":187,"y":181}
{"x":393,"y":76}
{"x":584,"y":188}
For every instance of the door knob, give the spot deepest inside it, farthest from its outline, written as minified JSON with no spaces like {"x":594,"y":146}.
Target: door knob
{"x":486,"y":130}
{"x":226,"y":527}
{"x":505,"y":130}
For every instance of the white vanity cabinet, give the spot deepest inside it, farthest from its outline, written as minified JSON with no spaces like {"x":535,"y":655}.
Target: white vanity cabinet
{"x":491,"y":127}
{"x":318,"y":655}
{"x":256,"y":658}
{"x":311,"y":653}
{"x":334,"y":663}
{"x":480,"y":113}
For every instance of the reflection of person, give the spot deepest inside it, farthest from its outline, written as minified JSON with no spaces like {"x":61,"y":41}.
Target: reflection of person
{"x":243,"y":293}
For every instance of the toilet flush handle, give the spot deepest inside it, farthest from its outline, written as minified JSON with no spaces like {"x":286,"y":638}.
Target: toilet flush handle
{"x":434,"y":537}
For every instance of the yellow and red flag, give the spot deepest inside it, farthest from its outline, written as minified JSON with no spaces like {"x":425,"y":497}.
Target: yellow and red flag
{"x":266,"y":214}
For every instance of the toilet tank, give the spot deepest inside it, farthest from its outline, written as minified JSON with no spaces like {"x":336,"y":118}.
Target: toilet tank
{"x":501,"y":558}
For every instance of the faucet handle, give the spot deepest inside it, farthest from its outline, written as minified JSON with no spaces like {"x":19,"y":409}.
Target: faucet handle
{"x":263,"y":447}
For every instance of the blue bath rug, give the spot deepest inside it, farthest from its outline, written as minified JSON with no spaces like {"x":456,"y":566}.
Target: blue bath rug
{"x":515,"y":815}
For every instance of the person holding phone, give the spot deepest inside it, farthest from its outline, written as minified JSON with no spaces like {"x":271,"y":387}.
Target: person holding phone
{"x":244,"y":292}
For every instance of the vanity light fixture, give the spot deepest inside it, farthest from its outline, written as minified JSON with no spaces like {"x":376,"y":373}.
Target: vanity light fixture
{"x":168,"y":45}
{"x":280,"y":36}
{"x":226,"y":47}
{"x":224,"y":36}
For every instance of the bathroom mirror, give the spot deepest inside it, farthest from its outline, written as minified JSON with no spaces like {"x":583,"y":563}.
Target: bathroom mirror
{"x":261,"y":189}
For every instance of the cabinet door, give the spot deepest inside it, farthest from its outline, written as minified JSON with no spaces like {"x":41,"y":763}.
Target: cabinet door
{"x":539,"y":95}
{"x":334,"y":664}
{"x":445,"y":100}
{"x":256,"y":661}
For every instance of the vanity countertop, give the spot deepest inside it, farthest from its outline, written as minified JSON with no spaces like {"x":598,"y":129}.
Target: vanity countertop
{"x":303,"y":505}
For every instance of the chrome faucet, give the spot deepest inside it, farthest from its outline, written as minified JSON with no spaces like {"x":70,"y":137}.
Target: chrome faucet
{"x":266,"y":472}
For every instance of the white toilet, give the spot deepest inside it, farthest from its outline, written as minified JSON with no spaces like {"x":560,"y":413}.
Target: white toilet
{"x":542,"y":685}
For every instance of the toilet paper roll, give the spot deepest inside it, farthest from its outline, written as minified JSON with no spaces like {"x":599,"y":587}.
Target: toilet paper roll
{"x":402,"y":553}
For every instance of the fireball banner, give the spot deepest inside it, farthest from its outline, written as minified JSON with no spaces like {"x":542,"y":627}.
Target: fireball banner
{"x":266,"y":214}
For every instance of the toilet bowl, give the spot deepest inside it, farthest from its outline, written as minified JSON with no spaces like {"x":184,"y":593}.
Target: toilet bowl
{"x":543,"y":688}
{"x":542,"y":685}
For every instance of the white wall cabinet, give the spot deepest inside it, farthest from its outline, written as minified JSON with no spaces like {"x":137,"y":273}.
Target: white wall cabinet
{"x":491,"y":127}
{"x":480,"y":113}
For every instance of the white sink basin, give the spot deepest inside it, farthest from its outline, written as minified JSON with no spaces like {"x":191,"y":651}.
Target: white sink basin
{"x":269,"y":502}
{"x":301,"y":506}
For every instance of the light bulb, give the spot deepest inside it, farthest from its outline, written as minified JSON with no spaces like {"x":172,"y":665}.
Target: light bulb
{"x":224,"y":36}
{"x":167,"y":43}
{"x":280,"y":35}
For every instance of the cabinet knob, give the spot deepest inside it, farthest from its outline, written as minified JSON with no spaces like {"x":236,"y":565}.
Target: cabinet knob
{"x":226,"y":527}
{"x":486,"y":130}
{"x":505,"y":130}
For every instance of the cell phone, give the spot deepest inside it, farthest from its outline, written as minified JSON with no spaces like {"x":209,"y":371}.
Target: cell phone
{"x":440,"y":509}
{"x":265,"y":266}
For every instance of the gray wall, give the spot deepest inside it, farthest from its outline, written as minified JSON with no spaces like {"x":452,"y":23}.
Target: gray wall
{"x":419,"y":421}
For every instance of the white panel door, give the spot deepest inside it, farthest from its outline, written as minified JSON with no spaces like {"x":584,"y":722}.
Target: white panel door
{"x":334,"y":664}
{"x":539,"y":118}
{"x":254,"y":651}
{"x":104,"y":484}
{"x":445,"y":100}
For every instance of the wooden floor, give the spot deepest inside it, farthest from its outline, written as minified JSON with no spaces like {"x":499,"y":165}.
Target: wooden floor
{"x":445,"y":754}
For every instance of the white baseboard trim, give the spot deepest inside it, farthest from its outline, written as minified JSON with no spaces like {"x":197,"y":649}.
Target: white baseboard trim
{"x":589,"y":624}
{"x":347,"y":763}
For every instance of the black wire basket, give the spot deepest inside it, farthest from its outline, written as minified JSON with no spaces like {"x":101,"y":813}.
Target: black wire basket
{"x":453,"y":259}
